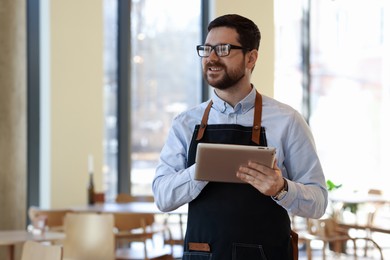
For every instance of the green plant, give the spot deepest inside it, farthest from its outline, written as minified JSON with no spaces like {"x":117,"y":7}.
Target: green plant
{"x":332,"y":186}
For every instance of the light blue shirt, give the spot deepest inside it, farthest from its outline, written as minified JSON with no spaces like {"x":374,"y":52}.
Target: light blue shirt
{"x":286,"y":130}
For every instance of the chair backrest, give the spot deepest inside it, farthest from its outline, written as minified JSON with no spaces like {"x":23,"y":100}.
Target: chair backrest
{"x":36,"y":251}
{"x":326,"y":227}
{"x":129,"y":221}
{"x":138,"y":227}
{"x":373,"y":208}
{"x":375,"y":192}
{"x":53,"y":218}
{"x":89,"y":236}
{"x":124,"y":197}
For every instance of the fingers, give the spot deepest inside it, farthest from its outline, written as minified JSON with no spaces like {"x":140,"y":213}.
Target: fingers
{"x":246,"y":174}
{"x":251,"y":174}
{"x":254,"y":169}
{"x":261,"y":177}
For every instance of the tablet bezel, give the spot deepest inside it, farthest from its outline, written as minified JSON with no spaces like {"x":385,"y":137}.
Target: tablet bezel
{"x":220,"y":162}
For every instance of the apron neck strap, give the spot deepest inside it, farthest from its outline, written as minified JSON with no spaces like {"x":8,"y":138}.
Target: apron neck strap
{"x":256,"y":120}
{"x":256,"y":129}
{"x":205,"y":118}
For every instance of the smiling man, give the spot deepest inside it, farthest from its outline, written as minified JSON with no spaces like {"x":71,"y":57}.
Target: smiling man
{"x":234,"y":220}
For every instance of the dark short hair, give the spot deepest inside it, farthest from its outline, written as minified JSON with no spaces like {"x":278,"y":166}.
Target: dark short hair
{"x":249,"y":33}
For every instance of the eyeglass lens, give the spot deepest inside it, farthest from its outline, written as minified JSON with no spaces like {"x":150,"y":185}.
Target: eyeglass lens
{"x":221,"y":50}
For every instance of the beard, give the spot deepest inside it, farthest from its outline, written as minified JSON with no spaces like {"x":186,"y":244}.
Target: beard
{"x":228,"y":80}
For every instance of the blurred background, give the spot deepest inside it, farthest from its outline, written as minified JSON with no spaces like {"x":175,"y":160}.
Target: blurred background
{"x":105,"y":79}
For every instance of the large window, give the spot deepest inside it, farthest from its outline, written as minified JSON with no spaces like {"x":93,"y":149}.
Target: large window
{"x":349,"y":84}
{"x":350,"y":90}
{"x":165,"y":78}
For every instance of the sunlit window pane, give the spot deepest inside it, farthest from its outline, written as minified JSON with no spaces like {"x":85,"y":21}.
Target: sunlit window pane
{"x":350,"y":86}
{"x":349,"y":90}
{"x":165,"y":77}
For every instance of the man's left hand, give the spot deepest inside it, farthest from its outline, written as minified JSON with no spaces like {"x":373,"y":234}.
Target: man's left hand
{"x":268,"y":181}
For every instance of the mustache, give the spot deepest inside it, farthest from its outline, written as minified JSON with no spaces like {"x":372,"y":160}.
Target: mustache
{"x":213,"y":63}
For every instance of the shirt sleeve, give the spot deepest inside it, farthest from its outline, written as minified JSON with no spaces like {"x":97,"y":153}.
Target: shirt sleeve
{"x":174,"y":184}
{"x":307,"y":194}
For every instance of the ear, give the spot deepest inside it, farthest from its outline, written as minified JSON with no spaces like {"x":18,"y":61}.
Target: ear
{"x":252,"y":58}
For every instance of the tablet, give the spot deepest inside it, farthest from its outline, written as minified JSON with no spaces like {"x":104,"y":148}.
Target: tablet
{"x":220,"y":162}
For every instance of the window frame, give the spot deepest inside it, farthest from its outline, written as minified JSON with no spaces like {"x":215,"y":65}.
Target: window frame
{"x":33,"y":102}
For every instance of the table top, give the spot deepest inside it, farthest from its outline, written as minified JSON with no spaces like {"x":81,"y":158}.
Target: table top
{"x":11,"y":237}
{"x":130,"y":207}
{"x":357,"y":197}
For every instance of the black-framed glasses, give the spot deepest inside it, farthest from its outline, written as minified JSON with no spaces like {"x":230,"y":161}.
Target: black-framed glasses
{"x":220,"y":49}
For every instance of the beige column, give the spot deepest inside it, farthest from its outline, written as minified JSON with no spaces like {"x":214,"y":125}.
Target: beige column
{"x":13,"y":118}
{"x":76,"y":97}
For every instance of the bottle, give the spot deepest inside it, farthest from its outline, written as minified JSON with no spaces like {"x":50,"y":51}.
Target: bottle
{"x":91,"y":186}
{"x":91,"y":190}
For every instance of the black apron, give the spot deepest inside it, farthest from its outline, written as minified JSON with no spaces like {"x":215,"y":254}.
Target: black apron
{"x":234,"y":221}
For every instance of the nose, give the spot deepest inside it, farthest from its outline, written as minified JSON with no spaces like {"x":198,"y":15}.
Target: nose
{"x":213,"y":55}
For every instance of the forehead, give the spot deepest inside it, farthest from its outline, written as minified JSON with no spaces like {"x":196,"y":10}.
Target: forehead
{"x":222,"y":35}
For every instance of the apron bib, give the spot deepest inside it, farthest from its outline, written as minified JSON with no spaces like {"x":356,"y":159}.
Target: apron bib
{"x":234,"y":221}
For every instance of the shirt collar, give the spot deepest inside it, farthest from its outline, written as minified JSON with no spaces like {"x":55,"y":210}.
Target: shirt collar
{"x":241,"y":107}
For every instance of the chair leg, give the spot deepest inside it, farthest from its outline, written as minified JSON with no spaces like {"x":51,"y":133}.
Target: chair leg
{"x":324,"y":250}
{"x":308,"y":249}
{"x":354,"y":249}
{"x":367,"y":242}
{"x":145,"y":251}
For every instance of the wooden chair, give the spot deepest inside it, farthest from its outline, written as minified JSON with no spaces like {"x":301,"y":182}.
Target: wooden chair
{"x":324,"y":230}
{"x":371,"y":214}
{"x":52,"y":219}
{"x":328,"y":231}
{"x":174,"y":233}
{"x":36,"y":251}
{"x":368,"y":213}
{"x":163,"y":222}
{"x":138,"y":227}
{"x":124,"y":198}
{"x":89,"y":236}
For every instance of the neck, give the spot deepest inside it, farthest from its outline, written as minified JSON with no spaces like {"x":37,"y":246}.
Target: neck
{"x":234,"y":95}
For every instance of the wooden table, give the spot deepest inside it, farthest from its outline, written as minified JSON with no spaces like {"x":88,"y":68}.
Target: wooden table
{"x":357,"y":197}
{"x":10,"y":238}
{"x":129,"y":207}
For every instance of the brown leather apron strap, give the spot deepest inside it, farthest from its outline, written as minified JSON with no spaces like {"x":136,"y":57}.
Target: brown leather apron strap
{"x":204,"y":121}
{"x":256,"y":130}
{"x":294,"y":243}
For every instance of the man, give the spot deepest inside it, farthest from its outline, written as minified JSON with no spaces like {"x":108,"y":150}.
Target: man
{"x":240,"y":221}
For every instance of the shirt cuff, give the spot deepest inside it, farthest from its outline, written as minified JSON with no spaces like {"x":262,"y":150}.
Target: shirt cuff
{"x":288,"y":199}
